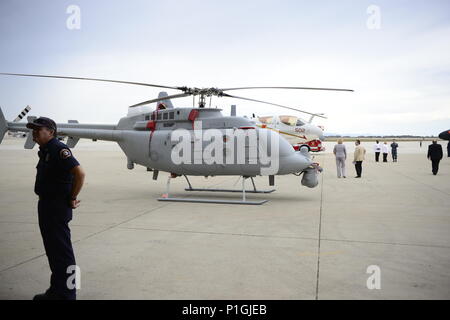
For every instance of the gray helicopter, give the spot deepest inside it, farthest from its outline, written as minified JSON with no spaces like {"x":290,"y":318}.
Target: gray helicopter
{"x":193,"y":141}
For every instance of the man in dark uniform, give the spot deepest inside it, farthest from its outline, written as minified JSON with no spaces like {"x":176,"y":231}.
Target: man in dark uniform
{"x":435,"y":155}
{"x":59,"y":179}
{"x":394,"y":147}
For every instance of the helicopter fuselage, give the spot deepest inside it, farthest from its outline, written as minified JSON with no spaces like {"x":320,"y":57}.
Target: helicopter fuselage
{"x":214,"y":144}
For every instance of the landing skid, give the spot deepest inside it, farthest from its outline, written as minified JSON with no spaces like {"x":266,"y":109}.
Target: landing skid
{"x":230,"y":190}
{"x":166,"y":196}
{"x":213,"y":201}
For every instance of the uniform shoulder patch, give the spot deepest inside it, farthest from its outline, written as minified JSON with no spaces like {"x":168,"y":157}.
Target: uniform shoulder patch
{"x":65,"y":153}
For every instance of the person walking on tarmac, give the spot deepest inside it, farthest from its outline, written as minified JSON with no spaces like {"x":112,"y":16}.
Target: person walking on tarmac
{"x":385,"y":149}
{"x":435,"y":154}
{"x":341,"y":155}
{"x":377,"y":150}
{"x":59,"y":180}
{"x":358,"y":158}
{"x":394,"y":147}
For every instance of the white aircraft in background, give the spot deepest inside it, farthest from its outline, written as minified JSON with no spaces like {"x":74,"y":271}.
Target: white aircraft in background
{"x":294,"y":129}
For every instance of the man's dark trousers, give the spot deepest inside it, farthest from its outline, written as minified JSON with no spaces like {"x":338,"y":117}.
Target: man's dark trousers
{"x":394,"y":155}
{"x":54,"y":218}
{"x":358,"y":167}
{"x":435,"y":165}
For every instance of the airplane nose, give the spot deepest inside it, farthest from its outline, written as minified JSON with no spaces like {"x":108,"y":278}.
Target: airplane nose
{"x":317,"y":131}
{"x":320,"y":134}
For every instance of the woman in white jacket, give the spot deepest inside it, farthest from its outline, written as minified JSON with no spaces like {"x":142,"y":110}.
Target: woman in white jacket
{"x":385,"y":150}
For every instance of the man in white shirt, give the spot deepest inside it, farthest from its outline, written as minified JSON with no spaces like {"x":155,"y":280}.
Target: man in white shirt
{"x":377,"y":150}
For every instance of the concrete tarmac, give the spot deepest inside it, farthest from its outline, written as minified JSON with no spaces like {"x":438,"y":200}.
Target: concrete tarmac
{"x":302,"y":244}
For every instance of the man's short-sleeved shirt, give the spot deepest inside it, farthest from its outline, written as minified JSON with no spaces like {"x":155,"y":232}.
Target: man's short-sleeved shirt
{"x":394,"y":146}
{"x":53,"y":177}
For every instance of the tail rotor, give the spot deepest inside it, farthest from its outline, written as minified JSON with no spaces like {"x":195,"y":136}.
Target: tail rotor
{"x":22,"y":114}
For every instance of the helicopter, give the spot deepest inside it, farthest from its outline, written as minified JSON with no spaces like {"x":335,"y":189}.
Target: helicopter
{"x":193,"y":141}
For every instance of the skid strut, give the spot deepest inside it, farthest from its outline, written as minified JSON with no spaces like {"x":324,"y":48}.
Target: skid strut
{"x":166,"y":196}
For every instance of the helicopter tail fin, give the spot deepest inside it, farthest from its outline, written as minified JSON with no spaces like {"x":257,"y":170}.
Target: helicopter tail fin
{"x":167,"y":102}
{"x":71,"y":141}
{"x":233,"y":110}
{"x":3,"y":125}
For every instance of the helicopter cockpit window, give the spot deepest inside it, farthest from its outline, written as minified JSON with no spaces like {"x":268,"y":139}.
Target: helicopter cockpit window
{"x":299,"y":123}
{"x":171,"y":115}
{"x":165,"y":116}
{"x":158,"y":117}
{"x":289,"y":120}
{"x":265,"y":120}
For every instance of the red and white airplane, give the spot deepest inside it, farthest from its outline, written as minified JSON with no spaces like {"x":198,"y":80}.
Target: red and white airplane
{"x":294,"y":129}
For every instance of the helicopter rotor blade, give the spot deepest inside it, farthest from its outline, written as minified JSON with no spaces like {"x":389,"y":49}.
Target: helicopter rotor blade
{"x":273,"y":104}
{"x":90,"y":79}
{"x":186,"y":91}
{"x":300,"y":88}
{"x":174,"y":96}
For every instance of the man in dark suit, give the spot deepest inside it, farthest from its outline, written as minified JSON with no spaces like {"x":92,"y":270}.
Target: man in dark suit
{"x":435,"y":155}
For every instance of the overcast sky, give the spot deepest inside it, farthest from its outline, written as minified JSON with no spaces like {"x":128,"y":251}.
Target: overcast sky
{"x":396,"y":59}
